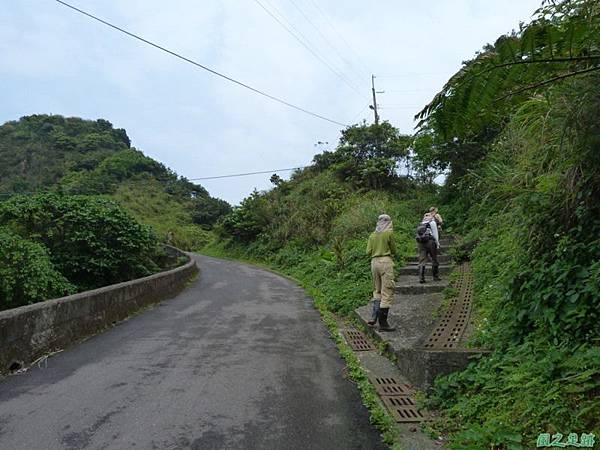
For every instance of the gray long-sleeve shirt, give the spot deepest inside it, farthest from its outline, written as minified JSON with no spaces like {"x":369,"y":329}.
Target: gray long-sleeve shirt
{"x":434,"y":229}
{"x":434,"y":232}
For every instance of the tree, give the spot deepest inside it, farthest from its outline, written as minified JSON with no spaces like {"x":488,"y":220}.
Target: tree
{"x":562,"y":42}
{"x":367,"y":155}
{"x":207,"y":210}
{"x":91,"y":241}
{"x":27,"y":274}
{"x":249,"y":219}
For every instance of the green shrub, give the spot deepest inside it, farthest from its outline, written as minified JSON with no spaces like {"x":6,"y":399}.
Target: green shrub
{"x":91,"y":241}
{"x":26,"y":273}
{"x":517,"y":393}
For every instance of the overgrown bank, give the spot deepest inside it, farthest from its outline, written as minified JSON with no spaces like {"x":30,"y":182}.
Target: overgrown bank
{"x":518,"y":130}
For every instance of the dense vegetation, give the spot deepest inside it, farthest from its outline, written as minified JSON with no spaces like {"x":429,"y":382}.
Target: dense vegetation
{"x":54,"y":245}
{"x":314,"y":225}
{"x":70,"y":193}
{"x":41,"y":153}
{"x":517,"y":132}
{"x":518,"y":128}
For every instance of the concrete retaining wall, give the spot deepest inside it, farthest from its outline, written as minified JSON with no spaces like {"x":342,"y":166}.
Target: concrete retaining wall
{"x":422,"y":367}
{"x":31,"y":331}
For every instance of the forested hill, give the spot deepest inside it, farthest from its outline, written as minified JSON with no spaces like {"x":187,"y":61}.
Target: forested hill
{"x":41,"y":153}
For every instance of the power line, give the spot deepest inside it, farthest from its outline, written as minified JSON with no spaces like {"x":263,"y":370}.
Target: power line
{"x":214,"y":72}
{"x":327,"y":41}
{"x":408,"y":91}
{"x":401,"y":75}
{"x":10,"y":194}
{"x":360,"y":112}
{"x":330,"y":23}
{"x":305,"y":42}
{"x":248,"y":173}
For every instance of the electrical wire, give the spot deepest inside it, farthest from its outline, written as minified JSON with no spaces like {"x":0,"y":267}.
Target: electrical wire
{"x":305,"y":42}
{"x":11,"y":194}
{"x":397,"y":106}
{"x":214,"y":72}
{"x":247,"y":173}
{"x":359,"y":113}
{"x":408,"y":91}
{"x":411,"y":74}
{"x":327,"y":41}
{"x":330,"y":23}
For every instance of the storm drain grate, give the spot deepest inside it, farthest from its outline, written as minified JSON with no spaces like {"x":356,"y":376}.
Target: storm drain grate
{"x":389,"y":386}
{"x":358,"y":341}
{"x":403,"y":408}
{"x":451,"y":326}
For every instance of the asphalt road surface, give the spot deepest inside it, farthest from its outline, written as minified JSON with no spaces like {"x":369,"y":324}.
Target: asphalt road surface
{"x":239,"y":360}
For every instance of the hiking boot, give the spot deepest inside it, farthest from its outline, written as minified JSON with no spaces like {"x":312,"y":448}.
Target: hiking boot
{"x":383,"y":323}
{"x":375,"y":313}
{"x":421,"y":274}
{"x":436,"y":273}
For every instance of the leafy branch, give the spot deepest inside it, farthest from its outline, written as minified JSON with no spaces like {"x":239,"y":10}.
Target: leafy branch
{"x":549,"y":81}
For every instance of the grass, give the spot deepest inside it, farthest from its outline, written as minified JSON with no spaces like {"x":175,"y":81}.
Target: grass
{"x":147,"y":201}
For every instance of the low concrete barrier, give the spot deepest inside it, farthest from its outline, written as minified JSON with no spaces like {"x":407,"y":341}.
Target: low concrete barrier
{"x":30,"y":332}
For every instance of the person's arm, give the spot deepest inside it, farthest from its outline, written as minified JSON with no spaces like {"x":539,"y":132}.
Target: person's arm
{"x":439,"y":219}
{"x":434,"y":232}
{"x":369,"y":247}
{"x":392,"y":245}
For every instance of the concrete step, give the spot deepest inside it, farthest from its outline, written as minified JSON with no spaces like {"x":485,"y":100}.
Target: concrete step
{"x":442,"y":259}
{"x":412,"y":315}
{"x":443,"y":250}
{"x":413,"y":269}
{"x":449,"y":237}
{"x":408,"y":284}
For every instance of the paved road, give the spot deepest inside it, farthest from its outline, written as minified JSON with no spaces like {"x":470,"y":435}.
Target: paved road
{"x":239,"y":360}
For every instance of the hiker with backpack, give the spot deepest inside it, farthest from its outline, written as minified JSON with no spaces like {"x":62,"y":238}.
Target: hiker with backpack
{"x":429,"y":243}
{"x":438,"y":218}
{"x":381,"y":249}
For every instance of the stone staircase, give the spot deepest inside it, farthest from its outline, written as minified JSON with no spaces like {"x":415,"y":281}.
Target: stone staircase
{"x":426,"y":342}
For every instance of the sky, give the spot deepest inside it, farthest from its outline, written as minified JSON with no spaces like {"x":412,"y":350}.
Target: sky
{"x":56,"y":61}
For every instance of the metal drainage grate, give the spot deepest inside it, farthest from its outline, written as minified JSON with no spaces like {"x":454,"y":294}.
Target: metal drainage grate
{"x":389,"y":386}
{"x":403,"y":409}
{"x":358,"y":341}
{"x":451,"y":326}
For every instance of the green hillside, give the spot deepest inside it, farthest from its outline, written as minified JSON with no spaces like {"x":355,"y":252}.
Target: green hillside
{"x":80,"y":208}
{"x":49,"y":153}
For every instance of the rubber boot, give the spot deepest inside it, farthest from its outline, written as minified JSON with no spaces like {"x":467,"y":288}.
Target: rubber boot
{"x":383,"y":323}
{"x":375,"y":313}
{"x":421,"y":274}
{"x":436,"y":273}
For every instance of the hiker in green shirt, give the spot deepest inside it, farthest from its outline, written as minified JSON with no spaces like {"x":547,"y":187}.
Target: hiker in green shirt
{"x":381,"y":249}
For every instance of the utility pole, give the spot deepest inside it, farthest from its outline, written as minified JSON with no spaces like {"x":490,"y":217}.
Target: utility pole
{"x":374,"y":106}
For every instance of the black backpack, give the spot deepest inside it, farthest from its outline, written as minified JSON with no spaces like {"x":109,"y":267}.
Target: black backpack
{"x":423,"y":233}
